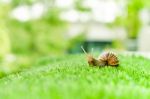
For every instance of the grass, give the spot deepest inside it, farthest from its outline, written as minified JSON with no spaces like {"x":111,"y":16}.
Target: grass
{"x":70,"y":77}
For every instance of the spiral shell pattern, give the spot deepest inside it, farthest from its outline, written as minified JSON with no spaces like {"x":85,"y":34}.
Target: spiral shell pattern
{"x":108,"y":59}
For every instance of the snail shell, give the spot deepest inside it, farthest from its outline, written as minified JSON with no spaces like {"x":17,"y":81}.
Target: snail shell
{"x":105,"y":59}
{"x":108,"y":59}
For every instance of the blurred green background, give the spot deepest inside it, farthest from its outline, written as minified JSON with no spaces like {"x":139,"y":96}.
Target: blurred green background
{"x":26,"y":37}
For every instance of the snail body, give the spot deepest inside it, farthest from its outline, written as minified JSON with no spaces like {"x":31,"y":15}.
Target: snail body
{"x":105,"y":59}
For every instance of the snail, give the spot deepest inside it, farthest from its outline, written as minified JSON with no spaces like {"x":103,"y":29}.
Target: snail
{"x":105,"y":59}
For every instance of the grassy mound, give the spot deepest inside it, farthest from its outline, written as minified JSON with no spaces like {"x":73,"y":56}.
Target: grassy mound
{"x":70,"y":77}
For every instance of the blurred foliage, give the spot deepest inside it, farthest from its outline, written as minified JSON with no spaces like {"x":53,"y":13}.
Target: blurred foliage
{"x":15,"y":3}
{"x":47,"y":34}
{"x":43,"y":36}
{"x":74,"y":44}
{"x":146,"y":3}
{"x":118,"y":44}
{"x":133,"y":22}
{"x":80,"y":7}
{"x":119,"y":21}
{"x":22,"y":43}
{"x":4,"y":32}
{"x":4,"y":42}
{"x":28,"y":40}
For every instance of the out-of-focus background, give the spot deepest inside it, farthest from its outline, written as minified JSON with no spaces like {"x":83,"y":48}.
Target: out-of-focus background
{"x":33,"y":28}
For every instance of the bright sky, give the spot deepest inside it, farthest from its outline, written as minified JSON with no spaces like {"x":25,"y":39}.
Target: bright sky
{"x":104,"y":11}
{"x":5,"y":1}
{"x":64,"y":3}
{"x":24,"y":13}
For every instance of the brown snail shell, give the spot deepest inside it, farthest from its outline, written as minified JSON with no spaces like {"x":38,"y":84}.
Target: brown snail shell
{"x":105,"y":59}
{"x":108,"y":59}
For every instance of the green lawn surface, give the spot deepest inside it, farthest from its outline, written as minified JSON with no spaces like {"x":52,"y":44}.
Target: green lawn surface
{"x":70,"y":77}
